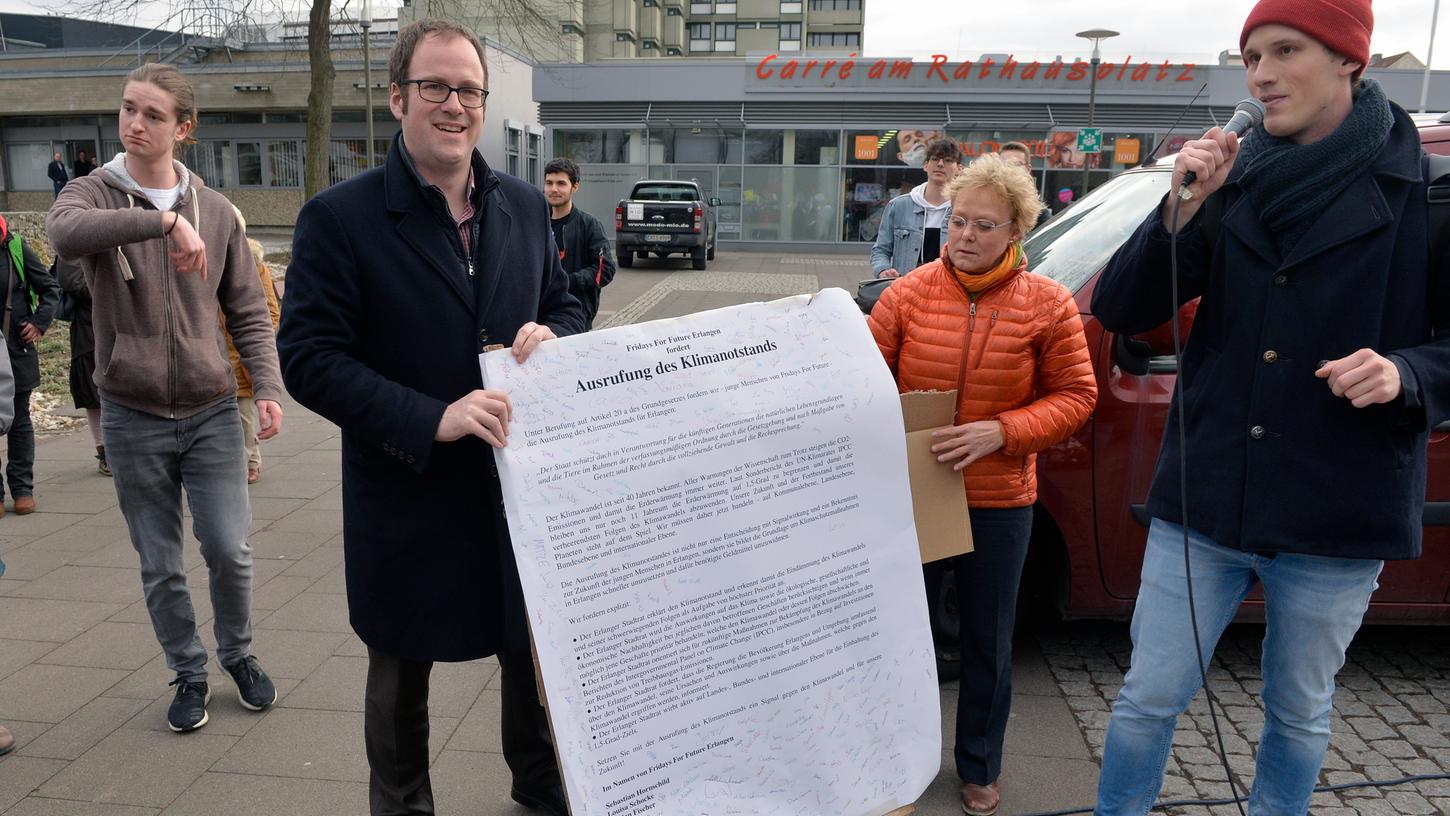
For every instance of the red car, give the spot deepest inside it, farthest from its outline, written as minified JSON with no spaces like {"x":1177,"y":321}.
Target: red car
{"x":1091,"y":525}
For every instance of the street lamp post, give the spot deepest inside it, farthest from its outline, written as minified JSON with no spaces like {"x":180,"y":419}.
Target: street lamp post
{"x":1096,"y":35}
{"x":366,"y":21}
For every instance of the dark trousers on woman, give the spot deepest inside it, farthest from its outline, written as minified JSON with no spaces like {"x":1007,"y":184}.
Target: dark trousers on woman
{"x":395,"y":730}
{"x":987,"y":580}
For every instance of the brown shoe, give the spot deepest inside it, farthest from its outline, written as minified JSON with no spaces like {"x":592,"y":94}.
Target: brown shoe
{"x":254,"y":475}
{"x":24,"y":505}
{"x":7,"y":741}
{"x":981,"y":800}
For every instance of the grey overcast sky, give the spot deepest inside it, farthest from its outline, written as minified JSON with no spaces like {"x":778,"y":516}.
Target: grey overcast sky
{"x":1176,"y":30}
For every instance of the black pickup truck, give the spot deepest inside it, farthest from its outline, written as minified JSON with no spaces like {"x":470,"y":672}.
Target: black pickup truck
{"x":664,"y":217}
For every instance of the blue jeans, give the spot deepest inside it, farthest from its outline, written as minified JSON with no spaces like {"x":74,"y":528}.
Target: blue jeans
{"x":152,"y":460}
{"x":1313,"y":605}
{"x":20,"y":471}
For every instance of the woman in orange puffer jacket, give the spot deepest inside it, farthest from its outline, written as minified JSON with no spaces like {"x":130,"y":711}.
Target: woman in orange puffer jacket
{"x":1011,"y":343}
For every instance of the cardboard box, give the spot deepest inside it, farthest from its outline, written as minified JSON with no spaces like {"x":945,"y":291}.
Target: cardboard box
{"x":938,"y":499}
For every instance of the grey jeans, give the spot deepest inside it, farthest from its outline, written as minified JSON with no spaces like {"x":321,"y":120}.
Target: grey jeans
{"x":153,"y":459}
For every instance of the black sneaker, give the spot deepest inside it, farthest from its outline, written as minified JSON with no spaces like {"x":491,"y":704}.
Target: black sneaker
{"x":550,"y":800}
{"x":254,"y":687}
{"x":188,"y":708}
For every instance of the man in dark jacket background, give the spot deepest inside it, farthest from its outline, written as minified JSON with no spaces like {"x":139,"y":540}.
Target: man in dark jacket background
{"x":1318,"y":362}
{"x":57,"y":173}
{"x":399,"y":278}
{"x":579,"y":237}
{"x":31,"y":299}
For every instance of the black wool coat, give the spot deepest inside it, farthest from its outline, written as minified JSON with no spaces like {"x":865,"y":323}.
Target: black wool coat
{"x":1277,"y":463}
{"x":381,"y":330}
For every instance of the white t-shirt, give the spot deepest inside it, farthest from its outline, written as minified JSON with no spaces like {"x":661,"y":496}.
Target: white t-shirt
{"x":163,"y":199}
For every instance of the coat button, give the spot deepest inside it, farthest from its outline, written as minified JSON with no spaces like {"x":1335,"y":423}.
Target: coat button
{"x":1271,"y":356}
{"x":483,"y":336}
{"x":1281,"y":280}
{"x":1257,"y":432}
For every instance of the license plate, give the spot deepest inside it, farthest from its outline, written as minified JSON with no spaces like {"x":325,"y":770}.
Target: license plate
{"x":663,"y":239}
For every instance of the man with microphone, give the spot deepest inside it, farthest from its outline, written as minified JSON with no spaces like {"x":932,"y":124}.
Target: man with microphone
{"x":1319,"y":360}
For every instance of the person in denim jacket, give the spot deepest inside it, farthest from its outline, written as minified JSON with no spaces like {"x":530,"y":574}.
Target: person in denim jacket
{"x":913,"y":225}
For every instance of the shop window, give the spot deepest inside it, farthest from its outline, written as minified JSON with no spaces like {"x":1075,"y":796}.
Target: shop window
{"x":535,"y":142}
{"x":868,"y":190}
{"x":817,"y":147}
{"x":592,"y":146}
{"x":791,"y":204}
{"x":764,"y":146}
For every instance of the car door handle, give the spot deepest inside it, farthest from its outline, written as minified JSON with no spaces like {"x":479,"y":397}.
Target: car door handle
{"x":1443,"y":427}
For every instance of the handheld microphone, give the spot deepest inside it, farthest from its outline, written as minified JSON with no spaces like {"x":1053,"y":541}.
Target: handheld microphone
{"x":1247,"y":115}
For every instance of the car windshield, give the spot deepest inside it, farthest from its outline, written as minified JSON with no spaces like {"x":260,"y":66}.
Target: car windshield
{"x":663,"y":192}
{"x":1072,"y":248}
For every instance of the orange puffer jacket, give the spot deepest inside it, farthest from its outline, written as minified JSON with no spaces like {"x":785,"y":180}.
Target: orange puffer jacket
{"x":1027,"y":366}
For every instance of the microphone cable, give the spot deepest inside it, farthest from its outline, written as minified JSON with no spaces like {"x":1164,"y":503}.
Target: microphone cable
{"x":1235,"y":786}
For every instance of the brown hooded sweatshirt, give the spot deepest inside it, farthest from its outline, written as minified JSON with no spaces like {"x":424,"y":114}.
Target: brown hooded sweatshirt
{"x":159,"y":346}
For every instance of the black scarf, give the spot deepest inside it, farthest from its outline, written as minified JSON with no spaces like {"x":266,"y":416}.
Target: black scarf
{"x":1291,"y":184}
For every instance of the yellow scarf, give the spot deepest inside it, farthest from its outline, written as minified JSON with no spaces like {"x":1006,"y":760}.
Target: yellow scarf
{"x":1012,"y":260}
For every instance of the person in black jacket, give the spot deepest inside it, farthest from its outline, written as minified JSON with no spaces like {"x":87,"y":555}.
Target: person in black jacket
{"x":32,"y":297}
{"x":83,"y":165}
{"x":437,"y":241}
{"x":579,"y":238}
{"x":57,"y":173}
{"x":72,"y":280}
{"x":1318,"y":363}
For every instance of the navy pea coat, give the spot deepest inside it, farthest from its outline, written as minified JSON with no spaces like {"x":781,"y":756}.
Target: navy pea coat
{"x":381,"y":330}
{"x":1277,"y":463}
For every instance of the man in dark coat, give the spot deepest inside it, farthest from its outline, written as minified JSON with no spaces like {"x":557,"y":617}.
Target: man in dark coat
{"x":1318,"y":363}
{"x":83,"y":165}
{"x":57,"y":173}
{"x":31,"y":299}
{"x":583,"y":246}
{"x":399,"y":278}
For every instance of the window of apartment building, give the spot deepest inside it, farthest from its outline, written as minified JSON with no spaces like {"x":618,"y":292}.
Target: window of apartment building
{"x":649,"y":45}
{"x":725,"y":33}
{"x":790,"y":7}
{"x":650,"y":3}
{"x":839,"y":39}
{"x":790,"y":36}
{"x":673,"y":12}
{"x":212,"y":160}
{"x":513,"y":146}
{"x":724,"y":8}
{"x":674,"y":52}
{"x":835,"y":5}
{"x":570,"y":28}
{"x":625,"y":36}
{"x":701,"y":8}
{"x":249,"y":164}
{"x":536,"y":147}
{"x":699,"y":35}
{"x":28,"y":164}
{"x":285,"y":160}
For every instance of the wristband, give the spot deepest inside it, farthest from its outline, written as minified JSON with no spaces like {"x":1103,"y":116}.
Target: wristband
{"x":166,"y":233}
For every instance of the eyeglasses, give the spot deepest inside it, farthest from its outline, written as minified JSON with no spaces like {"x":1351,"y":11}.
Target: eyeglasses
{"x":942,"y":160}
{"x":438,"y":92}
{"x":958,"y":223}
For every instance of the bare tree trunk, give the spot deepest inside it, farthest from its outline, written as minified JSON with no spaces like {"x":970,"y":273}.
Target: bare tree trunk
{"x":319,"y":98}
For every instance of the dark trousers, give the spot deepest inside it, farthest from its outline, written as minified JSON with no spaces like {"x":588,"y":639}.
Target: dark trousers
{"x":987,"y":581}
{"x":20,"y":470}
{"x":395,"y":730}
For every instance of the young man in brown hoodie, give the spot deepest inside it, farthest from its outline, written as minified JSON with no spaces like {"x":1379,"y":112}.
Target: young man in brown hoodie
{"x":161,"y":253}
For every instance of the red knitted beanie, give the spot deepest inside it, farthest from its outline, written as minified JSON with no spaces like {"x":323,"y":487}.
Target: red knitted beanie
{"x":1342,"y":25}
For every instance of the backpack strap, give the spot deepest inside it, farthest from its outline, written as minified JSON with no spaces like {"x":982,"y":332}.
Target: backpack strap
{"x":16,"y":248}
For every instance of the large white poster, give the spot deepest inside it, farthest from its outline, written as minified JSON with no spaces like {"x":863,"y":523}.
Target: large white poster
{"x":713,"y":528}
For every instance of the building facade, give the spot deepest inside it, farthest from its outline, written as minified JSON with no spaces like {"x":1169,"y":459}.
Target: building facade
{"x":809,"y":149}
{"x":598,"y":30}
{"x":252,"y":103}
